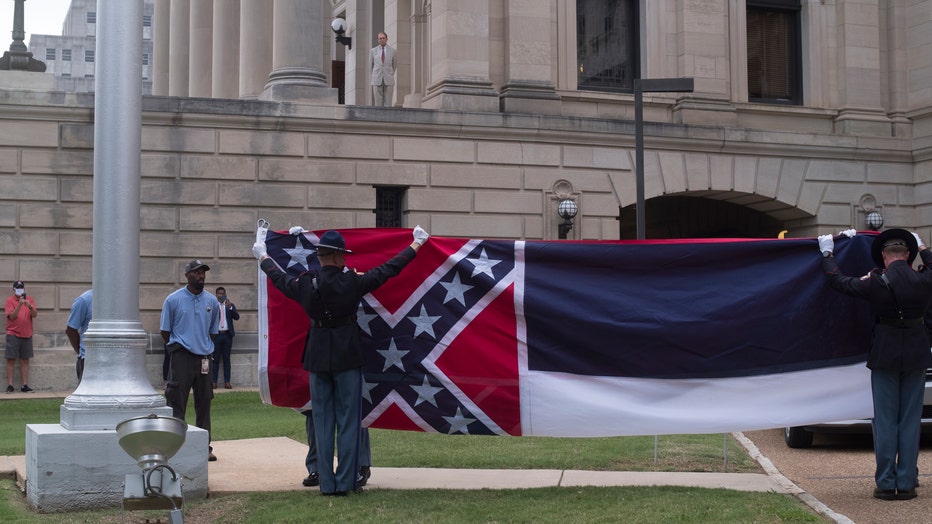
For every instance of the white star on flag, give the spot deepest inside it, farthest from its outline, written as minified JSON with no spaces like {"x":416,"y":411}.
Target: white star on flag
{"x":426,"y":392}
{"x":459,"y":422}
{"x":392,"y":356}
{"x":424,"y":323}
{"x":483,"y":264}
{"x":363,"y":319}
{"x":298,"y":254}
{"x":367,"y":387}
{"x":456,"y":290}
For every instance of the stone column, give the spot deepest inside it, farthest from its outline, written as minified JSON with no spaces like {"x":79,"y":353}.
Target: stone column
{"x":201,"y":37}
{"x":79,"y":463}
{"x":161,"y":37}
{"x":255,"y":48}
{"x":297,"y":54}
{"x":179,"y":45}
{"x":420,"y":51}
{"x":528,"y":53}
{"x":702,"y":47}
{"x":898,"y":51}
{"x":459,"y":54}
{"x":357,"y":90}
{"x":859,"y":81}
{"x":398,"y":26}
{"x":225,"y":63}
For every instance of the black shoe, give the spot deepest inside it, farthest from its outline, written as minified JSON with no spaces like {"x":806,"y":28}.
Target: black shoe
{"x":26,"y":389}
{"x":311,"y":480}
{"x":9,"y":389}
{"x":905,"y":494}
{"x":211,"y":457}
{"x":363,"y":477}
{"x":885,"y":494}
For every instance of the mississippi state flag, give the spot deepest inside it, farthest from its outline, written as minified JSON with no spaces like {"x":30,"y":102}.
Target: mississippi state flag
{"x":584,"y":339}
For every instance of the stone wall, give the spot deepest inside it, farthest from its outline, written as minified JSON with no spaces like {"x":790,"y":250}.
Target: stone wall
{"x":212,"y":167}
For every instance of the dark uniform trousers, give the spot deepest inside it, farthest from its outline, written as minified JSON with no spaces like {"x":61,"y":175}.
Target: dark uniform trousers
{"x":184,"y":373}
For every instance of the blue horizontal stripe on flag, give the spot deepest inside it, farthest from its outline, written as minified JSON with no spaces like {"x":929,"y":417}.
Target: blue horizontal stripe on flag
{"x":691,"y":309}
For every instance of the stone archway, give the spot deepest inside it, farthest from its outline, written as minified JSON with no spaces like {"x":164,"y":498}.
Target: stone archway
{"x":693,"y":216}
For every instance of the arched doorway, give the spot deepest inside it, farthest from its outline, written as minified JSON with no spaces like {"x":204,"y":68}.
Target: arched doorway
{"x":698,"y":217}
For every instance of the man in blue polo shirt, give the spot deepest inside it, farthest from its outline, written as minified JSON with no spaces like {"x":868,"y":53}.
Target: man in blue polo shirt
{"x":190,"y":321}
{"x":78,"y":320}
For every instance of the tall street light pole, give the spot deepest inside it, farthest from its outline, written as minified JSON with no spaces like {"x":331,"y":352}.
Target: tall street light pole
{"x":650,"y":85}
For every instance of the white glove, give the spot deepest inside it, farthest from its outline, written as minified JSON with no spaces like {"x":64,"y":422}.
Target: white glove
{"x":297,"y":230}
{"x":258,"y":250}
{"x":420,"y":236}
{"x":918,"y":240}
{"x":848,"y":233}
{"x":826,"y":243}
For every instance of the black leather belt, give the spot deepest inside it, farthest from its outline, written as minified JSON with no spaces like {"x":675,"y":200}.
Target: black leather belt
{"x":335,"y":322}
{"x":224,"y":331}
{"x":900,"y":322}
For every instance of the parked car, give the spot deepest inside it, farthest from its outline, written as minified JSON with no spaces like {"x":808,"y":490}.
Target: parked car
{"x":801,"y":436}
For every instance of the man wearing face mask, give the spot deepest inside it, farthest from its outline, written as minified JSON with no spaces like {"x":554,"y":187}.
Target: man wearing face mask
{"x":20,"y":310}
{"x":190,"y":321}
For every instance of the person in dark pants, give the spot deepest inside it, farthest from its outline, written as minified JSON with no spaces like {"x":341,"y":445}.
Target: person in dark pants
{"x":310,"y":461}
{"x":79,"y":318}
{"x":334,"y":353}
{"x":223,"y":343}
{"x":899,"y":298}
{"x":190,"y":320}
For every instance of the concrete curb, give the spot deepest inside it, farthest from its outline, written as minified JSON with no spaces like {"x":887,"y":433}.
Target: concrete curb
{"x":790,"y":487}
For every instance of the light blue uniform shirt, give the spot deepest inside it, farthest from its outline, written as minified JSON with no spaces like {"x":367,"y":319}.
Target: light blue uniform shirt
{"x":191,"y":319}
{"x":80,"y":315}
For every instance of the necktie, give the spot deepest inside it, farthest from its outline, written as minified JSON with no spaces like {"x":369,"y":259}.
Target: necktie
{"x":383,"y":54}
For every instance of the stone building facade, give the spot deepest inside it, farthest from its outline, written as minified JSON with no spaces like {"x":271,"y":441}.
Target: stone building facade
{"x":805,"y":116}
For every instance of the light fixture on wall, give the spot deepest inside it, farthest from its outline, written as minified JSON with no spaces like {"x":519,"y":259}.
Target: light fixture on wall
{"x":339,"y":27}
{"x":874,"y":220}
{"x":567,"y":210}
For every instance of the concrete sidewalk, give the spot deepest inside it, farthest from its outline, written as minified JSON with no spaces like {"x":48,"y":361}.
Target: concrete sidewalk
{"x":277,"y":464}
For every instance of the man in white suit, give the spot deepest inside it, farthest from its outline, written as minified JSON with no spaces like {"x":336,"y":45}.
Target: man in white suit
{"x":382,"y":66}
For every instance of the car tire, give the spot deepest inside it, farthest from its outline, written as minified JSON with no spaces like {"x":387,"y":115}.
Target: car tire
{"x":797,"y":437}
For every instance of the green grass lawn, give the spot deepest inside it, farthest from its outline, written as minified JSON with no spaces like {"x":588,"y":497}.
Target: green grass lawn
{"x":239,"y":415}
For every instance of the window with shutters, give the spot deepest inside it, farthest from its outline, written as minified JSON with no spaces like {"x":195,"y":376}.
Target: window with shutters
{"x":388,"y":205}
{"x":607,"y":44}
{"x":774,"y":70}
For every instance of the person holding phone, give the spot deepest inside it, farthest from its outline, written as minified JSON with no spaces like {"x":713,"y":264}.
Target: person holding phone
{"x":223,"y":343}
{"x":20,"y":310}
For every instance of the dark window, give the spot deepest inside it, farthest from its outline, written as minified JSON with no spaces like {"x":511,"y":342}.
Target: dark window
{"x":147,"y":20}
{"x":50,"y":53}
{"x":91,"y":17}
{"x":774,"y":70}
{"x":145,"y":59}
{"x":388,"y":206}
{"x":88,"y":56}
{"x":607,"y":44}
{"x":66,"y":55}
